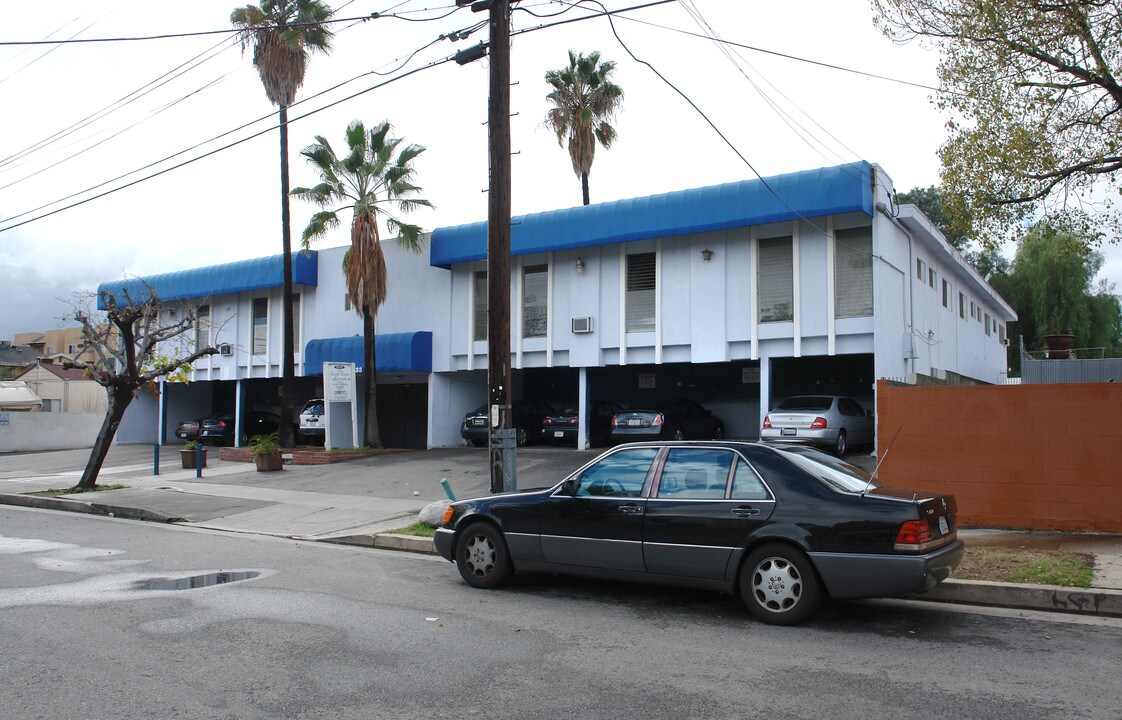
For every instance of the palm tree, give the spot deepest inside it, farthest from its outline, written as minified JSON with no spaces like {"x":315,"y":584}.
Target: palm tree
{"x":283,"y":33}
{"x":368,"y":180}
{"x":584,"y":101}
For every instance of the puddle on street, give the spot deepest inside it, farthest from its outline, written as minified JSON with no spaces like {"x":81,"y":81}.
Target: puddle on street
{"x":196,"y":581}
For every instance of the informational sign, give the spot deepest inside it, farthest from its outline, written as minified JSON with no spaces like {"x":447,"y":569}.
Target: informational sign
{"x":646,"y":381}
{"x":339,"y":381}
{"x":3,"y":418}
{"x":750,"y":375}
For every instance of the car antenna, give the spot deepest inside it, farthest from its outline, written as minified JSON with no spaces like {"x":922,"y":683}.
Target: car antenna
{"x":882,"y":459}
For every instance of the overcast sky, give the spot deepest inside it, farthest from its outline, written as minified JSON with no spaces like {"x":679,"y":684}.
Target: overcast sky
{"x":81,"y":115}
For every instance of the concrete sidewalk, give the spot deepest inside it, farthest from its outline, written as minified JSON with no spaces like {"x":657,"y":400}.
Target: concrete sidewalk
{"x":359,"y":500}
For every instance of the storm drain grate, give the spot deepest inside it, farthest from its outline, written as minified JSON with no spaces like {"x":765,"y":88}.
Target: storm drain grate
{"x":196,"y":581}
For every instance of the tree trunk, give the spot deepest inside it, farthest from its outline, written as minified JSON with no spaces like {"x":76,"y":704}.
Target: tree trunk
{"x":119,"y":399}
{"x":584,"y":186}
{"x":371,"y":433}
{"x":288,"y":373}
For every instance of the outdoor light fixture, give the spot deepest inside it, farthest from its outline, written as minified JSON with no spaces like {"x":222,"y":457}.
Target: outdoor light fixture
{"x":580,"y":265}
{"x":706,"y":254}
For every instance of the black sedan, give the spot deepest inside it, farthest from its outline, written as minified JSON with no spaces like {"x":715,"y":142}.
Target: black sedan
{"x":666,"y":419}
{"x":783,"y":526}
{"x":219,"y":429}
{"x":527,"y":422}
{"x":563,"y":427}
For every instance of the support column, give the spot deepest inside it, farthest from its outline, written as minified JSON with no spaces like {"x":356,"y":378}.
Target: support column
{"x":583,"y":407}
{"x":239,"y":396}
{"x":765,"y":388}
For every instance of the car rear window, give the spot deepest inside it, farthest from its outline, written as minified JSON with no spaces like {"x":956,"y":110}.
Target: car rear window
{"x":810,"y":403}
{"x":836,"y":473}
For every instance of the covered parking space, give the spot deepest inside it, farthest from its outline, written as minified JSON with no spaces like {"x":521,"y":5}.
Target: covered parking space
{"x":849,"y":375}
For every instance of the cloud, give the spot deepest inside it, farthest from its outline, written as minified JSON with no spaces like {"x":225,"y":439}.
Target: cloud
{"x":32,"y":301}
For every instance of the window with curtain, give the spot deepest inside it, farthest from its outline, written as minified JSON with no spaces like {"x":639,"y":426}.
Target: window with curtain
{"x":641,"y":292}
{"x":202,"y":327}
{"x":853,"y":273}
{"x":775,"y":280}
{"x":260,"y":325}
{"x":479,"y":310}
{"x":535,"y":300}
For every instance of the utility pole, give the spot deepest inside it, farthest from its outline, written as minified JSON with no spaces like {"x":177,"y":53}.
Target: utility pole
{"x":498,"y":252}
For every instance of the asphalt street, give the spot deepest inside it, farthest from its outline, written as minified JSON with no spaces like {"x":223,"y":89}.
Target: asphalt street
{"x":343,"y":632}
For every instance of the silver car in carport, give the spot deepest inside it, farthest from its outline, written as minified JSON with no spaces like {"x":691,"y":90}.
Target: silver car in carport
{"x":828,"y":421}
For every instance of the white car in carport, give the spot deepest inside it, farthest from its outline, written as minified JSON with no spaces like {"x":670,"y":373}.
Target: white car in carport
{"x":829,"y":421}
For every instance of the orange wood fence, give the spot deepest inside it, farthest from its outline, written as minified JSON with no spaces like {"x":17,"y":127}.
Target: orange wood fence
{"x":1037,"y":457}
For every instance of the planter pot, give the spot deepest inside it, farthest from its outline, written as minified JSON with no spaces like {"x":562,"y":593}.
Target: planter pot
{"x":267,"y":462}
{"x":189,"y":458}
{"x":1059,"y":346}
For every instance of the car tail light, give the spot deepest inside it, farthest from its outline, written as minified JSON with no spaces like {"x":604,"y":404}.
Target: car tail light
{"x":913,"y":535}
{"x":547,"y":421}
{"x":575,"y":421}
{"x":658,"y":420}
{"x":819,"y":423}
{"x":220,"y":424}
{"x":767,"y":421}
{"x":615,"y":420}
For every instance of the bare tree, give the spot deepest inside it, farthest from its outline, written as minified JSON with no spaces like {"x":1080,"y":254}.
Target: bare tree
{"x":127,"y":342}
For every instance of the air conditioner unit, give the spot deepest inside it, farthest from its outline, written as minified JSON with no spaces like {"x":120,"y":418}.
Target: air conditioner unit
{"x":582,"y":325}
{"x":1005,"y":342}
{"x":225,"y":349}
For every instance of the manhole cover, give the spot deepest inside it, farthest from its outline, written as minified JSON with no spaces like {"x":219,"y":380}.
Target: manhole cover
{"x":196,"y":581}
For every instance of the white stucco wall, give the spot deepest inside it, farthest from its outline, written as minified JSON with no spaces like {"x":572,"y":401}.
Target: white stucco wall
{"x":39,"y":431}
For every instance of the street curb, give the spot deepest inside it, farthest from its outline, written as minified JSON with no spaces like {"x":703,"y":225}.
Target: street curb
{"x":1050,"y":598}
{"x":82,"y":506}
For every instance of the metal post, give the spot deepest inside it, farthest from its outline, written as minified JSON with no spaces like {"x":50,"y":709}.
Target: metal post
{"x":447,"y":489}
{"x":156,"y":458}
{"x":199,"y":460}
{"x":498,"y":242}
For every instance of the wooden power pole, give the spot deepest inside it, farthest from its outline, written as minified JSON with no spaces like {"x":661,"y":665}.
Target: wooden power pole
{"x":498,"y":249}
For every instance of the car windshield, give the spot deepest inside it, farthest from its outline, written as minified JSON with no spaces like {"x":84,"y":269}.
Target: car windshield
{"x":314,"y":408}
{"x":834,"y":472}
{"x":569,"y":410}
{"x":814,"y":403}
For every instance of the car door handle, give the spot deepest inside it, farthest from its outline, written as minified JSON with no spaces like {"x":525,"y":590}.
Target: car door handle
{"x":745,"y":511}
{"x":631,"y":509}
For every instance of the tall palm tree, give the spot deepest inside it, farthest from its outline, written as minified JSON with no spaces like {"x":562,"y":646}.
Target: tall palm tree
{"x":369,"y":180}
{"x":283,"y":34}
{"x":584,"y":101}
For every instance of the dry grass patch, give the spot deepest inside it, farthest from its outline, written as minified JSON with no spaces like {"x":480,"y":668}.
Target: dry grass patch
{"x":1025,"y":565}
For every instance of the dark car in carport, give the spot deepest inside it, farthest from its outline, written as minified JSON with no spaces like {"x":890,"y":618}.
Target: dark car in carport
{"x":562,"y":428}
{"x":782,"y":526}
{"x":666,"y":419}
{"x":219,"y":429}
{"x":527,"y":422}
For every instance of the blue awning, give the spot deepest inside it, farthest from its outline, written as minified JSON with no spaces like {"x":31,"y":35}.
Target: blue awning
{"x":807,"y":194}
{"x":394,"y":352}
{"x":235,"y":277}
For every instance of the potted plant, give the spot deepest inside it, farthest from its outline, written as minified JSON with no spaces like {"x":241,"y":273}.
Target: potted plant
{"x":190,"y":454}
{"x":266,"y":451}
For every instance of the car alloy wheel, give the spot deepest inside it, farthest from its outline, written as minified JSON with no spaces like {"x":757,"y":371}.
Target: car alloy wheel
{"x":482,"y":557}
{"x":778,"y":585}
{"x":839,"y":444}
{"x":521,"y":437}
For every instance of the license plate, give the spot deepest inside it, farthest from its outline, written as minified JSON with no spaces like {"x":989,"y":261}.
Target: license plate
{"x":558,"y":433}
{"x":944,"y":528}
{"x":479,"y":422}
{"x":634,"y":422}
{"x":788,"y":431}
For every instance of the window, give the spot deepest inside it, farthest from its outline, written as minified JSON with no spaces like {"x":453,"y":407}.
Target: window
{"x":621,"y":474}
{"x":695,"y":474}
{"x":986,"y":323}
{"x":535,"y":300}
{"x":202,"y":327}
{"x":973,"y":310}
{"x":931,"y":277}
{"x":962,"y":306}
{"x":260,"y":325}
{"x":746,"y":484}
{"x":71,"y":349}
{"x":776,"y":281}
{"x":921,"y":267}
{"x":853,"y":273}
{"x":347,"y":302}
{"x":1001,"y":333}
{"x":946,"y":294}
{"x":640,"y":300}
{"x":479,"y":310}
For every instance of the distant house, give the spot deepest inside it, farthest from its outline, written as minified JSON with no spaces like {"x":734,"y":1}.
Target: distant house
{"x":14,"y":359}
{"x":59,"y":345}
{"x":65,"y":389}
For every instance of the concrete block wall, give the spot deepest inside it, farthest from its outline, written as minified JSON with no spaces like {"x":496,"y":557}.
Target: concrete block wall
{"x":1034,"y":457}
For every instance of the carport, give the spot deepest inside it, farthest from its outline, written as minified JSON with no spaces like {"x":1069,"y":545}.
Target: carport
{"x":850,"y":375}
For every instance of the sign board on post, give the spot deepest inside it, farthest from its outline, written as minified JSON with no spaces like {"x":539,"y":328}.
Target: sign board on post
{"x":340,"y":414}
